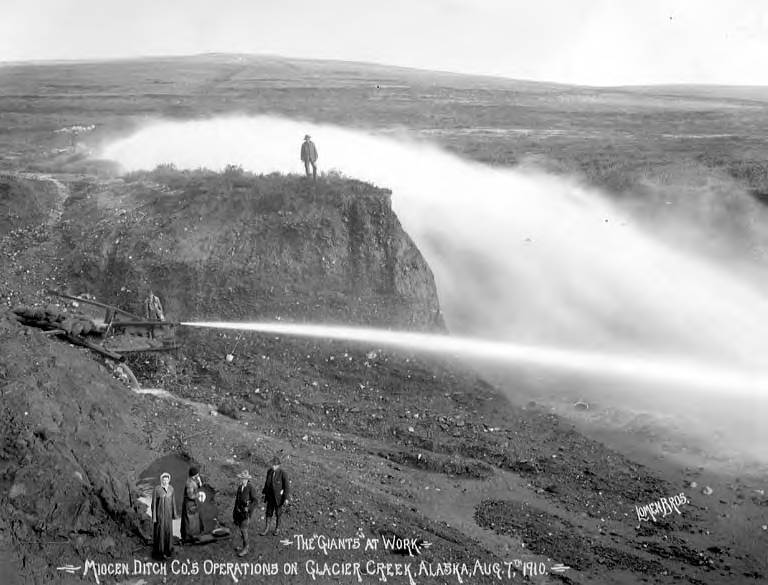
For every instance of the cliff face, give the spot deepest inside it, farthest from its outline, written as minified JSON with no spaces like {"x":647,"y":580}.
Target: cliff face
{"x":235,"y":246}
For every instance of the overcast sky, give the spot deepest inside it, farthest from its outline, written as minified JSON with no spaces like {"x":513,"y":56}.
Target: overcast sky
{"x":595,"y":42}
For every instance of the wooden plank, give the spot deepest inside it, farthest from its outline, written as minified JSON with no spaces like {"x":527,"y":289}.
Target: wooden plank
{"x":137,"y":350}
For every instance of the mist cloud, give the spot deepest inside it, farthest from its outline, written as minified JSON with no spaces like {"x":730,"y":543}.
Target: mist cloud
{"x":518,"y":256}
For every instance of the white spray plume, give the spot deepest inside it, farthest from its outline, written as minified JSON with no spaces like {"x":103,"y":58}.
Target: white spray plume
{"x":517,"y":256}
{"x":657,"y":369}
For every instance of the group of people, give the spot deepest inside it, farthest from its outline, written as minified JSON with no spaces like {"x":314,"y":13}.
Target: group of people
{"x":274,"y":494}
{"x":164,"y":510}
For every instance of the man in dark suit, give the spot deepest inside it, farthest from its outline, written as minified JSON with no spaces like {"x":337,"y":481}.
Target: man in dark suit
{"x":245,"y":504}
{"x":275,"y":495}
{"x":309,"y":155}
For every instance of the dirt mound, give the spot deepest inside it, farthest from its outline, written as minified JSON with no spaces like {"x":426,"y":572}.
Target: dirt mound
{"x":64,"y":469}
{"x":23,"y":203}
{"x":238,"y":246}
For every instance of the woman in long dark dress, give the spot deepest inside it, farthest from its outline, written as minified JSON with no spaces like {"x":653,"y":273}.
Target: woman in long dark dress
{"x":190,"y":513}
{"x":163,"y":514}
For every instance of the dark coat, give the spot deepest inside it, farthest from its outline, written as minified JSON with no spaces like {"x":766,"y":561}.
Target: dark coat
{"x":245,"y":503}
{"x":308,"y":151}
{"x":276,"y":487}
{"x":190,"y":515}
{"x":163,"y":514}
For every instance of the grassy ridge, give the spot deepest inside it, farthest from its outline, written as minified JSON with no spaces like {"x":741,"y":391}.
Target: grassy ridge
{"x":613,"y":138}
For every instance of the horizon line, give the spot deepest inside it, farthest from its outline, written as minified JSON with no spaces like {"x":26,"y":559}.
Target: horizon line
{"x":502,"y":78}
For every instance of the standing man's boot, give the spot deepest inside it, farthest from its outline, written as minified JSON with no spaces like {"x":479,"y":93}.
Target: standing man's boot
{"x":266,"y":527}
{"x":244,"y":532}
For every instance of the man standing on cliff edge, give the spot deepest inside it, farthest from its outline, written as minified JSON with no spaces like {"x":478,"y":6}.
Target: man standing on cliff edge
{"x":309,"y":155}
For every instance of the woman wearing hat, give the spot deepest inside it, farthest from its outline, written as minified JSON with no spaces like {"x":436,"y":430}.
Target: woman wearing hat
{"x":190,"y":514}
{"x":245,"y":504}
{"x":163,"y":514}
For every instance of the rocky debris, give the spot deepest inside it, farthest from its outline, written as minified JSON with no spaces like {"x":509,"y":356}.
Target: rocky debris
{"x":29,"y":259}
{"x":560,"y":540}
{"x":554,"y":538}
{"x":25,"y":204}
{"x":453,"y":466}
{"x":675,"y":548}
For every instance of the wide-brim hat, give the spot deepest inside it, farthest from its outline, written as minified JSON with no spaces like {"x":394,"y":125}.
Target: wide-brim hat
{"x":165,"y":474}
{"x":244,"y":475}
{"x":307,"y":137}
